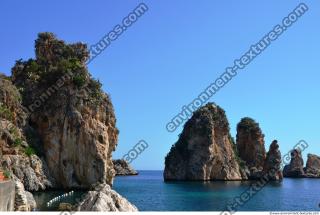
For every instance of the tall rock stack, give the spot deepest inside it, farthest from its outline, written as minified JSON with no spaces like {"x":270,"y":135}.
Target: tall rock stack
{"x":312,"y":169}
{"x":250,"y":146}
{"x":204,"y":150}
{"x":272,"y":165}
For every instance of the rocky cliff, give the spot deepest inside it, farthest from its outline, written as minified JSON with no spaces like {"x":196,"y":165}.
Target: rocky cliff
{"x":272,"y":163}
{"x":295,"y":168}
{"x":204,"y":150}
{"x":312,"y":169}
{"x":57,"y":126}
{"x":69,"y":112}
{"x":122,"y":167}
{"x":250,"y":146}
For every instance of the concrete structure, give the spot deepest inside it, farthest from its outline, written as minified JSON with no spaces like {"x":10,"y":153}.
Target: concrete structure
{"x":7,"y":195}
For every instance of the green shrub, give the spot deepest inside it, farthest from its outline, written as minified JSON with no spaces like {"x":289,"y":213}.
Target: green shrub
{"x":5,"y":112}
{"x":7,"y":174}
{"x":17,"y":142}
{"x":79,"y":80}
{"x":29,"y":151}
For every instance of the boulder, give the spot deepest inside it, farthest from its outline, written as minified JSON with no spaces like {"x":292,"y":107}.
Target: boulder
{"x":204,"y":150}
{"x":103,"y":198}
{"x":123,"y":168}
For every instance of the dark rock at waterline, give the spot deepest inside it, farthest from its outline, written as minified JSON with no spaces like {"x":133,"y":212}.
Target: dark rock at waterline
{"x":123,"y":168}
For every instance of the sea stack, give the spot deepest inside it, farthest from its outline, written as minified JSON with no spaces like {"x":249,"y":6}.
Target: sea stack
{"x":295,"y":168}
{"x":250,"y":146}
{"x":204,"y":150}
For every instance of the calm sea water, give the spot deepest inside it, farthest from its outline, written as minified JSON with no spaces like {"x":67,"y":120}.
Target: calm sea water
{"x":149,"y":192}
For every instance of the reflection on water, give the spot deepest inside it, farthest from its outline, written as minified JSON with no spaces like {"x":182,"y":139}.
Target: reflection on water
{"x":42,"y":198}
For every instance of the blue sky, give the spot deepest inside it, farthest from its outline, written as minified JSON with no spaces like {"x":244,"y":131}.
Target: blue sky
{"x":175,"y":50}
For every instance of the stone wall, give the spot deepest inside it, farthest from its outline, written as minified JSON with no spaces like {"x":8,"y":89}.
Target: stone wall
{"x":7,"y":194}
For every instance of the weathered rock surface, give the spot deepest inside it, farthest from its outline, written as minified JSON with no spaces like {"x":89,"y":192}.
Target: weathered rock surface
{"x":24,"y":200}
{"x":204,"y":150}
{"x":312,"y":169}
{"x":7,"y":195}
{"x":103,"y":198}
{"x":16,"y":156}
{"x":250,"y":146}
{"x":69,"y":112}
{"x":295,"y":168}
{"x":123,"y":168}
{"x":272,"y":165}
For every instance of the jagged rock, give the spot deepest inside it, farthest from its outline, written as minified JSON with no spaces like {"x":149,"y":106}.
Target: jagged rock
{"x":24,"y":200}
{"x":250,"y":146}
{"x":13,"y":141}
{"x":204,"y":150}
{"x":312,"y":169}
{"x":295,"y":168}
{"x":103,"y":198}
{"x":123,"y":168}
{"x":69,"y":112}
{"x":272,"y":165}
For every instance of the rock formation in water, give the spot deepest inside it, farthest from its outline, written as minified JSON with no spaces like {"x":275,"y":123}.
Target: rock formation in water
{"x":204,"y":150}
{"x":57,"y":126}
{"x":312,"y":169}
{"x":250,"y":146}
{"x":272,"y":164}
{"x":123,"y":168}
{"x":103,"y":198}
{"x":69,"y":112}
{"x":295,"y":168}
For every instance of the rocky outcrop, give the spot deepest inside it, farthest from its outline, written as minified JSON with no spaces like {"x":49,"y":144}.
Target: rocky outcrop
{"x":68,"y":111}
{"x":204,"y":150}
{"x":17,"y":156}
{"x":295,"y":168}
{"x":122,"y":168}
{"x":250,"y":146}
{"x":312,"y":169}
{"x":103,"y":198}
{"x":272,"y":164}
{"x":24,"y":200}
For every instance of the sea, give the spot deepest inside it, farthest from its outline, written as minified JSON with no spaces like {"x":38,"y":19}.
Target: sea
{"x":149,"y":192}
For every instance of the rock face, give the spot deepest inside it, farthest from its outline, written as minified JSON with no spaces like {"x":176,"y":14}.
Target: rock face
{"x":70,"y":114}
{"x":123,"y":168}
{"x":295,"y":168}
{"x":24,"y":200}
{"x":105,"y":199}
{"x":204,"y":150}
{"x":250,"y":146}
{"x":272,"y":165}
{"x":7,"y":196}
{"x":16,"y":154}
{"x":312,"y":169}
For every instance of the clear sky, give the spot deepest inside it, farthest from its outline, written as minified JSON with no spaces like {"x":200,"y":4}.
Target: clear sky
{"x":177,"y":48}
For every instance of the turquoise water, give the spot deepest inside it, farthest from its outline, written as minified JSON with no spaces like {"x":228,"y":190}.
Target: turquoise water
{"x":149,"y":193}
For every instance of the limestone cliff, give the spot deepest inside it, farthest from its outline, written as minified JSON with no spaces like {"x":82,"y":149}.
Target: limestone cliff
{"x":204,"y":150}
{"x":272,"y":164}
{"x":250,"y":146}
{"x":73,"y":118}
